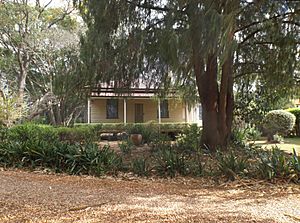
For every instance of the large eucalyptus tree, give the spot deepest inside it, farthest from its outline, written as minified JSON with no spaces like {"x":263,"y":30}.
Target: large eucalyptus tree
{"x":204,"y":43}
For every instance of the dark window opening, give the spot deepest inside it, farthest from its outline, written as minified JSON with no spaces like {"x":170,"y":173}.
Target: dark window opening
{"x":112,"y":108}
{"x":164,"y":109}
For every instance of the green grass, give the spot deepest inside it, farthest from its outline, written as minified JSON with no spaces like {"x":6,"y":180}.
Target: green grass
{"x":288,"y":145}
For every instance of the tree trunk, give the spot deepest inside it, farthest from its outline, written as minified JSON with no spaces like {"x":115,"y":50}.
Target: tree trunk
{"x":217,"y":100}
{"x":52,"y":116}
{"x":208,"y":90}
{"x":22,"y":60}
{"x":217,"y":105}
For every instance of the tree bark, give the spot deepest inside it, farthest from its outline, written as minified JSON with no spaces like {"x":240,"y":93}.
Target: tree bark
{"x":208,"y":90}
{"x":23,"y":63}
{"x":216,"y":99}
{"x":217,"y":105}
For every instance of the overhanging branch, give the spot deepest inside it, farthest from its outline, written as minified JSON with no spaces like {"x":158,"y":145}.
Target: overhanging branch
{"x":149,"y":6}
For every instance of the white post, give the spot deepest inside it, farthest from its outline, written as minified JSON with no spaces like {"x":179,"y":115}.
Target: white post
{"x":125,"y":110}
{"x":159,"y":115}
{"x":185,"y":113}
{"x":89,"y":111}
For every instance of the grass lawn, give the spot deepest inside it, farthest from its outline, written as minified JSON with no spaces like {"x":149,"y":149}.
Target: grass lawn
{"x":288,"y":145}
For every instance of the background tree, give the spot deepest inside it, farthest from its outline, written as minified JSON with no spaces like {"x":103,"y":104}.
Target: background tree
{"x":40,"y":56}
{"x":23,"y":33}
{"x":211,"y":43}
{"x":63,"y":88}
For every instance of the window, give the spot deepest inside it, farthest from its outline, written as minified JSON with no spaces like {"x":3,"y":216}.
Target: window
{"x":164,"y":109}
{"x":112,"y":108}
{"x":200,"y":112}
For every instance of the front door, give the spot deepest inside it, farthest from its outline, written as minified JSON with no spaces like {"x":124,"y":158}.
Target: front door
{"x":139,"y":113}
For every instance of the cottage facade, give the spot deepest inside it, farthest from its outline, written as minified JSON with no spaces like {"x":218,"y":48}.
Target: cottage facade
{"x":138,"y":105}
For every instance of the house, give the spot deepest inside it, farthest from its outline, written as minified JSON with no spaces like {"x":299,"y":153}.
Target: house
{"x":296,"y":102}
{"x":108,"y":104}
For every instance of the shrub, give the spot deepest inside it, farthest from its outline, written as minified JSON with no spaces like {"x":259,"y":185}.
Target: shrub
{"x":278,"y":121}
{"x":126,"y":146}
{"x":60,"y":157}
{"x":140,"y":167}
{"x":294,"y":164}
{"x":189,"y":140}
{"x":231,"y":165}
{"x":149,"y":131}
{"x":83,"y":133}
{"x":33,"y":133}
{"x":162,"y":141}
{"x":296,"y":112}
{"x":169,"y":162}
{"x":3,"y":133}
{"x":238,"y":137}
{"x":252,"y":134}
{"x":273,"y":164}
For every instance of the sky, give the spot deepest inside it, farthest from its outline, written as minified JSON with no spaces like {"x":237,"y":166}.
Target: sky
{"x":54,"y":3}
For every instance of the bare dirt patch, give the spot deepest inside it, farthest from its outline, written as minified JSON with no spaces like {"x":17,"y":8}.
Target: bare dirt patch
{"x":37,"y":197}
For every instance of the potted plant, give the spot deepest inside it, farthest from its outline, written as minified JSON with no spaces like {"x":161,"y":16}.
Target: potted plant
{"x":135,"y":135}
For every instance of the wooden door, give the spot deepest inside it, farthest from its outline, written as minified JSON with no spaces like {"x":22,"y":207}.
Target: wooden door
{"x":139,"y":113}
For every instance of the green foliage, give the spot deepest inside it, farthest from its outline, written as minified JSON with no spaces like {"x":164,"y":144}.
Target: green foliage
{"x":60,"y":157}
{"x":3,"y":133}
{"x":296,"y":112}
{"x":151,"y":131}
{"x":47,"y":38}
{"x":189,"y":139}
{"x":33,"y":132}
{"x":253,"y":134}
{"x":170,"y":162}
{"x":68,"y":85}
{"x":126,"y":146}
{"x":9,"y":112}
{"x":159,"y":38}
{"x":135,"y":129}
{"x":160,"y":142}
{"x":279,"y":121}
{"x":40,"y":146}
{"x":240,"y":136}
{"x":294,"y":164}
{"x":140,"y":167}
{"x":231,"y":164}
{"x":273,"y":164}
{"x":88,"y":133}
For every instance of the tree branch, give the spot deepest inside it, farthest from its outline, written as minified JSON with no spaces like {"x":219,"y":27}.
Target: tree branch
{"x":250,"y":36}
{"x":149,"y":6}
{"x":61,"y":18}
{"x":265,"y":20}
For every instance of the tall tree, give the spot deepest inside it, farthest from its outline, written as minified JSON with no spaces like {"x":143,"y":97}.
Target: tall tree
{"x":209,"y":42}
{"x":23,"y":33}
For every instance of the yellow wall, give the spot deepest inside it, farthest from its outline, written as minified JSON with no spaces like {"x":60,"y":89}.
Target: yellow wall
{"x":176,"y":111}
{"x":98,"y":111}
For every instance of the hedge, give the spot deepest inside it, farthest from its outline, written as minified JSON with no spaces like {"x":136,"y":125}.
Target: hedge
{"x":296,"y":112}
